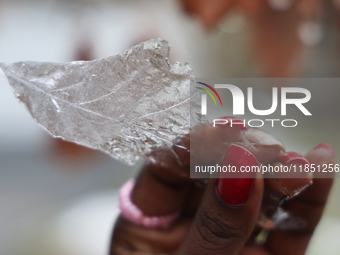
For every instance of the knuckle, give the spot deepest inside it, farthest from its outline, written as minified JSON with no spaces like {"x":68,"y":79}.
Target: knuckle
{"x":120,"y":250}
{"x":216,"y":229}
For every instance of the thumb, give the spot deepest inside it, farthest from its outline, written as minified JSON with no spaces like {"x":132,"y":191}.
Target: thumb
{"x":229,"y":210}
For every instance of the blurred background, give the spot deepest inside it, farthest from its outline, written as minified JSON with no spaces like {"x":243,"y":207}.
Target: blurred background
{"x":60,"y":198}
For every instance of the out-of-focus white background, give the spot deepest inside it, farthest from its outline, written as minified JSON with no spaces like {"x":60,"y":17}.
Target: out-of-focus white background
{"x":52,"y":203}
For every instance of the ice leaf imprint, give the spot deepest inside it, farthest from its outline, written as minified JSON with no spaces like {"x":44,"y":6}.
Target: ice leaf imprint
{"x":124,"y":105}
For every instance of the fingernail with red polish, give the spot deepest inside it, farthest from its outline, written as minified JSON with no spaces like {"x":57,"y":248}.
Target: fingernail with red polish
{"x":230,"y":121}
{"x":325,"y":146}
{"x":292,"y":158}
{"x":236,"y":191}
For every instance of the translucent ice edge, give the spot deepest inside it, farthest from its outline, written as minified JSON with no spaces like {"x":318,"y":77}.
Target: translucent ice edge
{"x":124,"y":105}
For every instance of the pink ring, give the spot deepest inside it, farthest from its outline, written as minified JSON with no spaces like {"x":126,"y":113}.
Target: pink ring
{"x":133,"y":214}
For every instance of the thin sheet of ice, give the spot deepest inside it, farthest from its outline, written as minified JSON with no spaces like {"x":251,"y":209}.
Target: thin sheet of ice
{"x":124,"y":105}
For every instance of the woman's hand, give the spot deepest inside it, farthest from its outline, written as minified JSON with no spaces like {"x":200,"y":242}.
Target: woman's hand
{"x":214,"y":219}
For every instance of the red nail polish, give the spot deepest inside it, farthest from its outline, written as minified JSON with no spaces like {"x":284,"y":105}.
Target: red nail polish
{"x":230,"y":121}
{"x":236,"y":191}
{"x":292,"y":158}
{"x":325,"y":146}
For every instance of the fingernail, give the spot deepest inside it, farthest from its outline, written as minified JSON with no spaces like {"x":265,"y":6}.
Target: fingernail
{"x":325,"y":146}
{"x":236,"y":191}
{"x":260,"y":137}
{"x":292,"y":158}
{"x":264,"y":146}
{"x":230,"y":122}
{"x":290,"y":183}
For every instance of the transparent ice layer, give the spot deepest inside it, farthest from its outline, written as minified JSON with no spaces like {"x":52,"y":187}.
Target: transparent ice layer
{"x":124,"y":105}
{"x":129,"y":104}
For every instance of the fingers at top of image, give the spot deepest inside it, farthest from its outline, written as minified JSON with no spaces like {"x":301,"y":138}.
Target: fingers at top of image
{"x":209,"y":12}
